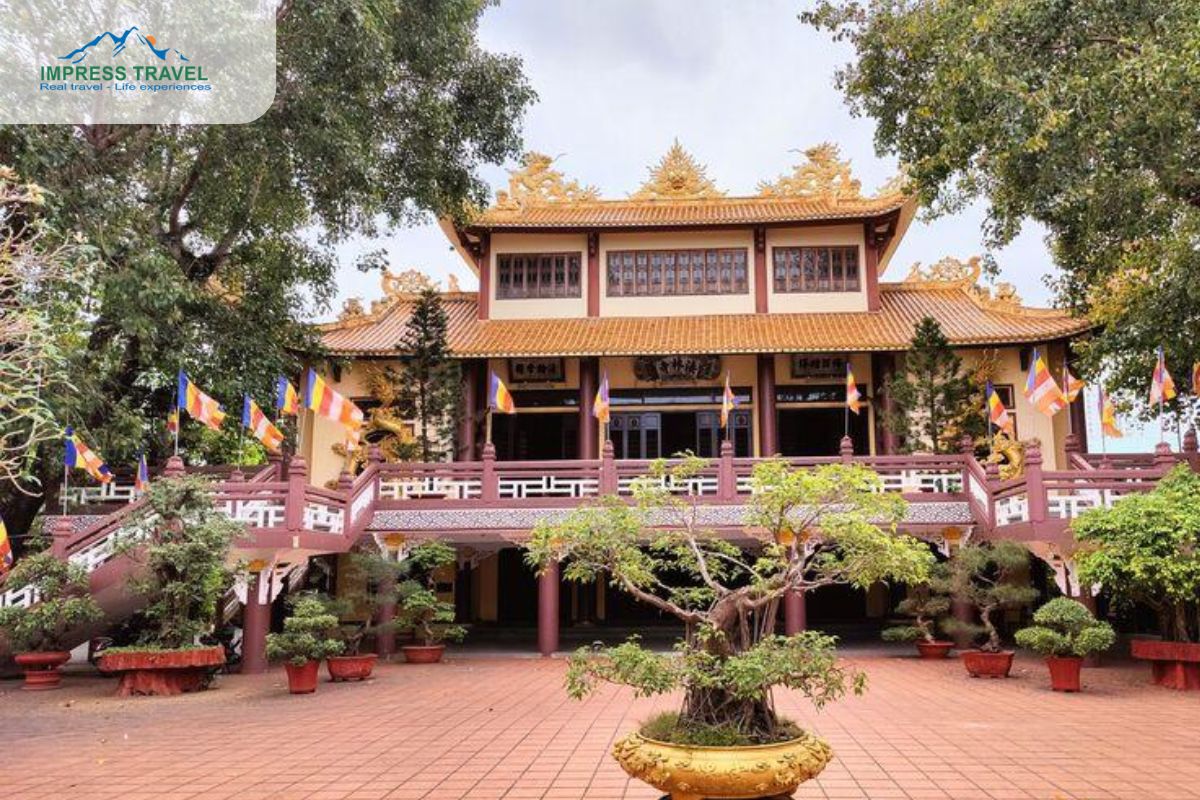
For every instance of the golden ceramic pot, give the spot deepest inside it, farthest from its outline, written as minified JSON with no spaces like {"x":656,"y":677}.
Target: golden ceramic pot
{"x":730,"y":773}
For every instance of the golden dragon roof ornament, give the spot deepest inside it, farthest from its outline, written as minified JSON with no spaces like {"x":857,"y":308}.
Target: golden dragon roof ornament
{"x":537,"y":183}
{"x":952,"y":272}
{"x":824,"y":175}
{"x":678,"y":176}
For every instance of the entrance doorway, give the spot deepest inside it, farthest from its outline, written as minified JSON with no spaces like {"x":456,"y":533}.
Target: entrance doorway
{"x":536,"y":437}
{"x":654,"y":434}
{"x":818,"y":431}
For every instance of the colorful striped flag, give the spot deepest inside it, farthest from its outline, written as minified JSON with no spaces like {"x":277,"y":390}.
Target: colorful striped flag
{"x":141,"y":481}
{"x":601,"y":407}
{"x":853,"y":396}
{"x":1108,"y":417}
{"x":323,"y":400}
{"x":499,"y":398}
{"x":728,"y":402}
{"x":1041,"y":389}
{"x":202,"y":407}
{"x":6,"y":553}
{"x":173,"y":422}
{"x":1071,"y":385}
{"x":79,"y":455}
{"x":997,"y":413}
{"x":287,"y":400}
{"x":1162,"y":385}
{"x":257,"y":423}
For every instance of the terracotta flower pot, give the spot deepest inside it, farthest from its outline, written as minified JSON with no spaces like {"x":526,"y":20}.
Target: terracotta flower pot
{"x":162,"y":672}
{"x":42,"y":669}
{"x":423,"y":653}
{"x":1064,"y":672}
{"x":982,"y":664}
{"x":351,"y":668}
{"x":1175,"y":665}
{"x":934,"y":650}
{"x":302,"y":679}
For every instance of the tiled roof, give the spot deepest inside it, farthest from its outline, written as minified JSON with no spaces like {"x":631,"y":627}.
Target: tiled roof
{"x":662,"y":213}
{"x":966,"y":319}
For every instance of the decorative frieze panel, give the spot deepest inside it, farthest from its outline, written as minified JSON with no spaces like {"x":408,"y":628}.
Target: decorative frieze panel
{"x":668,"y":369}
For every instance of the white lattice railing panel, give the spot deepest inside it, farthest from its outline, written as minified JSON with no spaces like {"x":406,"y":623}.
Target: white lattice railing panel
{"x":1070,"y":504}
{"x":1012,"y":509}
{"x":104,"y":493}
{"x":978,"y":491}
{"x":323,"y":518}
{"x":548,"y":486}
{"x":912,"y":481}
{"x":256,"y":513}
{"x":363,"y":501}
{"x":430,"y":487}
{"x":694,"y":486}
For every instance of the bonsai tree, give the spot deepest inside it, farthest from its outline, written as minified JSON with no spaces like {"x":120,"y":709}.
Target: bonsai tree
{"x":63,"y":603}
{"x":1146,"y":549}
{"x":928,"y":606}
{"x":1065,"y":627}
{"x":984,"y":576}
{"x":830,"y":525}
{"x":308,"y":633}
{"x":431,"y":619}
{"x":356,"y":607}
{"x":185,"y":550}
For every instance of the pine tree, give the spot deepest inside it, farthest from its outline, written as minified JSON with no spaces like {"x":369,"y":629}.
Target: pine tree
{"x":934,"y":402}
{"x":429,"y":380}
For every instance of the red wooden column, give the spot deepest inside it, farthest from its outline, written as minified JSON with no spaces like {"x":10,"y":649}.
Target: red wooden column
{"x":760,"y":270}
{"x":483,"y":260}
{"x":768,"y":444}
{"x":467,"y":425}
{"x":589,"y":432}
{"x":547,"y":617}
{"x":256,"y":623}
{"x":593,"y":274}
{"x":795,"y":613}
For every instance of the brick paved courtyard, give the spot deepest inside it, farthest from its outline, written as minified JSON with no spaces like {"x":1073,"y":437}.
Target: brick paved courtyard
{"x":481,"y":727}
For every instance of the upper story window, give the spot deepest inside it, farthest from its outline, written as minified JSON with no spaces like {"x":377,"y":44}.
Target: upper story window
{"x":533,"y":275}
{"x":646,"y":273}
{"x":816,"y":269}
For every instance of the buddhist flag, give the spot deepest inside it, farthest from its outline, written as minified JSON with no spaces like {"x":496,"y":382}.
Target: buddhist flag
{"x":257,"y":423}
{"x":79,"y":455}
{"x":1071,"y":385}
{"x":601,"y":407}
{"x":997,"y":413}
{"x":1162,"y":385}
{"x":202,"y":407}
{"x":1108,"y":417}
{"x":853,"y":396}
{"x":141,"y":481}
{"x":6,"y":553}
{"x":1041,"y":389}
{"x":287,"y":400}
{"x":318,"y":397}
{"x":499,"y":398}
{"x":173,"y":422}
{"x":728,"y":403}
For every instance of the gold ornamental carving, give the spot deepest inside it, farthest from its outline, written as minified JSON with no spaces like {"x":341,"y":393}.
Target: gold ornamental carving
{"x":822,"y":175}
{"x":693,"y":773}
{"x":678,"y":176}
{"x":1009,"y":455}
{"x":953,"y":272}
{"x":409,"y":282}
{"x":384,"y":427}
{"x":538,"y":183}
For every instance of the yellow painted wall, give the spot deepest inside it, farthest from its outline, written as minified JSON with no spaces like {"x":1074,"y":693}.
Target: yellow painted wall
{"x":860,"y":363}
{"x":506,"y":308}
{"x":801,"y":303}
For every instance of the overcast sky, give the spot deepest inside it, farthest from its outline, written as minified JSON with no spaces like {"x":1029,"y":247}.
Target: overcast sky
{"x":742,"y":85}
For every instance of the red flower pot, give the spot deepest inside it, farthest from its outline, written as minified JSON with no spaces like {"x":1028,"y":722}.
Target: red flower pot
{"x":302,"y":679}
{"x":1175,"y":665}
{"x":351,"y":668}
{"x":423,"y":653}
{"x":982,"y":664}
{"x":934,"y":650}
{"x":1064,"y":672}
{"x":42,"y":669}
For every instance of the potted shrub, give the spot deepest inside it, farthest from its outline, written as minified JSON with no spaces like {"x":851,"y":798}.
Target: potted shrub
{"x":830,"y":525}
{"x":308,"y":637}
{"x":928,"y":607}
{"x":431,"y":619}
{"x":356,"y":610}
{"x":1065,"y":632}
{"x":182,"y":547}
{"x":984,"y":575}
{"x":36,"y":633}
{"x":1145,"y":549}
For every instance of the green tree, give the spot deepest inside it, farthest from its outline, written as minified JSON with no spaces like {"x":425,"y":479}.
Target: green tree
{"x":64,"y":602}
{"x":1083,"y":116}
{"x":987,"y":576}
{"x":1065,"y":627}
{"x":1146,"y":549}
{"x":430,"y":383}
{"x":216,"y":243}
{"x":935,"y":404}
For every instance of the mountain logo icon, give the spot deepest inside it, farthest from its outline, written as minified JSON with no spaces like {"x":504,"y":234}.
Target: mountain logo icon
{"x":119,"y":44}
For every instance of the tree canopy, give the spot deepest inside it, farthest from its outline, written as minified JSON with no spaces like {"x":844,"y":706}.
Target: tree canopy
{"x":1082,"y":116}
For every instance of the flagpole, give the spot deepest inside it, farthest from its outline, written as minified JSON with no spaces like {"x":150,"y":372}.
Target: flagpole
{"x":987,"y":423}
{"x":66,"y":485}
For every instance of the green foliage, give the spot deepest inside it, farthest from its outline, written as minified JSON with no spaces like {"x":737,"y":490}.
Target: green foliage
{"x":985,"y":575}
{"x":185,"y":553}
{"x":670,"y":726}
{"x":1081,"y":116}
{"x":928,"y":605}
{"x":64,"y":602}
{"x":935,"y":404}
{"x":431,"y":619}
{"x":308,"y":633}
{"x":1065,"y":627}
{"x":380,"y":577}
{"x":429,"y":381}
{"x":1146,"y":549}
{"x":825,"y":526}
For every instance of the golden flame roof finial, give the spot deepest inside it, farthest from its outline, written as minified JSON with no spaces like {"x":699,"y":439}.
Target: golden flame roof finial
{"x":536,"y":183}
{"x":678,"y":176}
